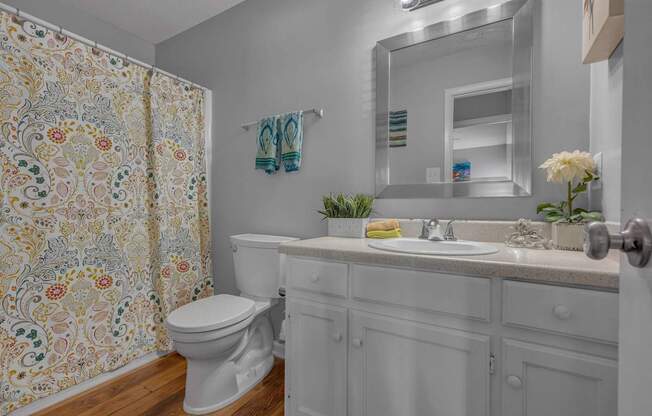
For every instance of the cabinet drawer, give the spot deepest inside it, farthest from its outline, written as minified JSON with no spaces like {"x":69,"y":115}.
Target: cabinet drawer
{"x":318,"y":276}
{"x":570,"y":311}
{"x":465,"y":296}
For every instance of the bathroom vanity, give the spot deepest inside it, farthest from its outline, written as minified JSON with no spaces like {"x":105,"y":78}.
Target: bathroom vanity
{"x":518,"y":332}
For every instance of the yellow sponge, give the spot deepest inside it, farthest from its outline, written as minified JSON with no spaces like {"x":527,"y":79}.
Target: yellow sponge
{"x":396,"y":233}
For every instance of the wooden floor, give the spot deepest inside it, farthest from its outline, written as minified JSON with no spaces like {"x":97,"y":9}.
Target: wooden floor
{"x":157,"y":389}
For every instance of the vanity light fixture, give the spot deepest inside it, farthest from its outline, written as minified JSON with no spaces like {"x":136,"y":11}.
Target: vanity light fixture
{"x":410,"y":5}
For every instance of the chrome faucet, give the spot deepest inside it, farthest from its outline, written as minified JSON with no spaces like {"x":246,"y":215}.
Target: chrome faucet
{"x":431,"y":230}
{"x":449,"y":233}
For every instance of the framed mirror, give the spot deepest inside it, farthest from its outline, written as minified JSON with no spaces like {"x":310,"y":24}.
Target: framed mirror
{"x":453,"y":103}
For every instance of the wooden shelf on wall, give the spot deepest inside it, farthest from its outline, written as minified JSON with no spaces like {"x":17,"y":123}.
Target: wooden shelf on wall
{"x":603,"y":28}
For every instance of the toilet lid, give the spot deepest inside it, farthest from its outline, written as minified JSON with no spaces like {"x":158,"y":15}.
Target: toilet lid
{"x":211,"y":313}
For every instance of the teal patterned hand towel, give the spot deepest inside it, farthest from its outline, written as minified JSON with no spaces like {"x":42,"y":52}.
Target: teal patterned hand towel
{"x":267,"y":156}
{"x":291,"y":132}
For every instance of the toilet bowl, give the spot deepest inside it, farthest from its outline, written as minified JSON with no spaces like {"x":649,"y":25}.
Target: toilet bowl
{"x":228,"y":340}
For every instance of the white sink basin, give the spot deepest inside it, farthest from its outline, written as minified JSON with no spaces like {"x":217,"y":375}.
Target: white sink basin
{"x":434,"y":248}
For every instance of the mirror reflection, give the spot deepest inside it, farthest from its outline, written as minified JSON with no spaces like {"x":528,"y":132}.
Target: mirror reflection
{"x":450,"y":117}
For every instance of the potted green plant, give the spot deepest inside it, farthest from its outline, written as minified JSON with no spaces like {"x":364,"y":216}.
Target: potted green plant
{"x":347,"y":215}
{"x":576,"y":170}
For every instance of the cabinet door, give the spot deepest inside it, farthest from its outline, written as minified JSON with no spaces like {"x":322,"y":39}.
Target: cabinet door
{"x":404,"y":368}
{"x":544,"y":381}
{"x":317,"y":359}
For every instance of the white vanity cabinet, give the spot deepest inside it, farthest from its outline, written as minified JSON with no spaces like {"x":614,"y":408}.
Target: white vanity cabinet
{"x":544,"y":381}
{"x":397,"y":367}
{"x":369,"y":340}
{"x":318,"y":347}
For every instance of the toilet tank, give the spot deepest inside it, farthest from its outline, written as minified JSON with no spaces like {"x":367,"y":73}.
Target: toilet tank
{"x":258,"y":264}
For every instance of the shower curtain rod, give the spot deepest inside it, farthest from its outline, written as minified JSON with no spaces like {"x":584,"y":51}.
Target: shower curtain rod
{"x":62,"y":31}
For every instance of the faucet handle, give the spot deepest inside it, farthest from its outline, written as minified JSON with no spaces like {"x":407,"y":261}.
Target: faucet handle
{"x":427,"y":226}
{"x":449,"y":233}
{"x":424,"y":229}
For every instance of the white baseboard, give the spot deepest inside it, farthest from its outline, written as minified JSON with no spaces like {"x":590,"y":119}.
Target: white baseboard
{"x":86,"y":385}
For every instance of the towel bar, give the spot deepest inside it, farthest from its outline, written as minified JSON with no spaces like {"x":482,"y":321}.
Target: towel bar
{"x":319,"y":112}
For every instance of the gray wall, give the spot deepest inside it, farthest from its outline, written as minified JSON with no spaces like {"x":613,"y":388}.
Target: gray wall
{"x":88,"y":26}
{"x":606,"y":131}
{"x":269,"y":56}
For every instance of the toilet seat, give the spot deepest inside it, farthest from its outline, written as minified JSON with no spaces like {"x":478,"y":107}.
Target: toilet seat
{"x":211,"y":314}
{"x":200,"y":337}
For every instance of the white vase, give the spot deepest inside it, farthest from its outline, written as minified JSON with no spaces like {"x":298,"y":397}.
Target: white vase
{"x":348,"y":227}
{"x":568,"y":236}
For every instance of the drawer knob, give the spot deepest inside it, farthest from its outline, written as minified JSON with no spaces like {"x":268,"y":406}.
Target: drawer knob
{"x":357,"y":342}
{"x":561,"y":312}
{"x":314,"y":278}
{"x":514,"y":382}
{"x":337,"y":336}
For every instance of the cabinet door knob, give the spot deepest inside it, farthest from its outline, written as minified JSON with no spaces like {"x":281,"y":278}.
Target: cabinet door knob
{"x":561,"y":312}
{"x":357,"y":342}
{"x":514,"y":382}
{"x":314,"y":278}
{"x":337,"y":336}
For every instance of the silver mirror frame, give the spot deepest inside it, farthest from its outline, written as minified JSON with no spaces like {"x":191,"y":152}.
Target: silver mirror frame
{"x":521,"y":12}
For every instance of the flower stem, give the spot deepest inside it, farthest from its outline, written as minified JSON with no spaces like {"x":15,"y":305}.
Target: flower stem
{"x":570,"y":199}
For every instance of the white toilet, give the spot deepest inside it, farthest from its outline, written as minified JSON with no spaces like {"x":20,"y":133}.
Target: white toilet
{"x":227,"y":340}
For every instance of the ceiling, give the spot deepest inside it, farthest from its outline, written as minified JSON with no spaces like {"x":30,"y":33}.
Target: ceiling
{"x":152,"y":20}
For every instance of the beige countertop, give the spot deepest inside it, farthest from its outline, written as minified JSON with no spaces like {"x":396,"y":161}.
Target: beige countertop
{"x":547,"y":266}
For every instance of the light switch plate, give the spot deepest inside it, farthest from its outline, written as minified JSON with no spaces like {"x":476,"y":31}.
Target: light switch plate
{"x":433,"y":175}
{"x":597,"y":158}
{"x":595,"y":187}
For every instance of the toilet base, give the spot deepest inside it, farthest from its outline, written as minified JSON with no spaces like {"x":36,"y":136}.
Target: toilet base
{"x":221,"y":370}
{"x":246,"y":381}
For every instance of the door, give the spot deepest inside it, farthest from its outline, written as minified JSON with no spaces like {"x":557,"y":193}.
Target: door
{"x":317,"y":359}
{"x":404,"y":368}
{"x":635,"y":373}
{"x":544,"y":381}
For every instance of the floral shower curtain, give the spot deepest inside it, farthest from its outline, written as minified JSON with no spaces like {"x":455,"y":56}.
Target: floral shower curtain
{"x":103,"y":210}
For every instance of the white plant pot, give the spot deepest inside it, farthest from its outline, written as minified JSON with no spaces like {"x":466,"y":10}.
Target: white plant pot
{"x":348,"y":227}
{"x":568,"y":236}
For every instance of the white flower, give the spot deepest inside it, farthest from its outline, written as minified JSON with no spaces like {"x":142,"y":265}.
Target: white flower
{"x":567,"y":167}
